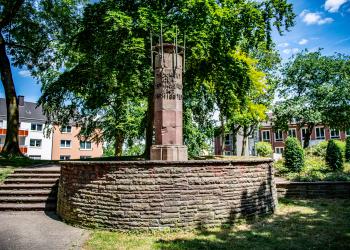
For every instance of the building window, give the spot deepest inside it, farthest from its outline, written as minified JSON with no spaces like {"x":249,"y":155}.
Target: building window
{"x":85,"y":145}
{"x":278,"y":135}
{"x":303,"y":133}
{"x":266,"y":135}
{"x":292,"y":132}
{"x":279,"y":150}
{"x":320,"y":133}
{"x":335,"y":133}
{"x":64,"y":157}
{"x":66,"y":129}
{"x":2,"y":140}
{"x":227,"y":153}
{"x":36,"y":127}
{"x":83,"y":157}
{"x":22,"y":141}
{"x":36,"y":143}
{"x":1,"y":123}
{"x":35,"y":157}
{"x":228,"y":140}
{"x":65,"y":143}
{"x":347,"y":132}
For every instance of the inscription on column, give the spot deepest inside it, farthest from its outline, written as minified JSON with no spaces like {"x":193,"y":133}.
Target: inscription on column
{"x":168,"y":85}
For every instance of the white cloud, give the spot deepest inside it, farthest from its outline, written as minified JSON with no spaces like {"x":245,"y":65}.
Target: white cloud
{"x":283,"y":45}
{"x":290,"y":51}
{"x":334,"y":5}
{"x":314,"y":18}
{"x":303,"y":41}
{"x":24,"y":73}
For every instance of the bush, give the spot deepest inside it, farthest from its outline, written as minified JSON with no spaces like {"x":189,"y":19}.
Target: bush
{"x":334,"y":156}
{"x":293,"y":154}
{"x":347,"y":149}
{"x":341,"y":145}
{"x":264,"y":149}
{"x":319,"y":149}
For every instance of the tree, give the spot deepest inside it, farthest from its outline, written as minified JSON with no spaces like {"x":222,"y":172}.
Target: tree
{"x":215,"y":76}
{"x":30,"y":33}
{"x":312,"y":85}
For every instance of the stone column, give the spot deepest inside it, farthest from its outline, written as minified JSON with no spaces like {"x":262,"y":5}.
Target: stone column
{"x":168,"y":106}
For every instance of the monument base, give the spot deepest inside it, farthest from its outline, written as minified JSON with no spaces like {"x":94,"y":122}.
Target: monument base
{"x":169,"y":152}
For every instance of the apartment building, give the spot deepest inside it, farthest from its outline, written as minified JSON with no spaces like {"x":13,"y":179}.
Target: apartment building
{"x":60,"y":144}
{"x":278,"y":137}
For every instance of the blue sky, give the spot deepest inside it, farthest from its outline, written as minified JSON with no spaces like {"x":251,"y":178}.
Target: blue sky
{"x":319,"y":24}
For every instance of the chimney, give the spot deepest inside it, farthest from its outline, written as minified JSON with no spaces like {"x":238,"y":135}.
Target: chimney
{"x":21,"y":100}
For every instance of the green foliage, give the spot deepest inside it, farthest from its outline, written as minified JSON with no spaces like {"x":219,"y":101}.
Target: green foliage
{"x":318,"y":150}
{"x":264,"y":149}
{"x":334,"y":156}
{"x":280,"y":167}
{"x":347,"y":149}
{"x":294,"y":154}
{"x":312,"y":88}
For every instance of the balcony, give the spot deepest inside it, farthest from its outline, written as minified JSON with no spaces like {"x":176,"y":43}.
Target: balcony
{"x":21,"y":132}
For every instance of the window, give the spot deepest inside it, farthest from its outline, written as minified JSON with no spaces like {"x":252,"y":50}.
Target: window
{"x":36,"y":143}
{"x":227,"y":153}
{"x":228,"y":140}
{"x":65,"y":143}
{"x":320,"y":133}
{"x":335,"y":133}
{"x":22,"y":141}
{"x":1,"y":123}
{"x":83,"y":157}
{"x":66,"y":129}
{"x":347,"y":132}
{"x":303,"y":133}
{"x":292,"y":132}
{"x":85,"y":145}
{"x":64,"y":157}
{"x":2,"y":140}
{"x":278,"y":135}
{"x":35,"y":157}
{"x":36,"y":127}
{"x":279,"y":150}
{"x":266,"y":135}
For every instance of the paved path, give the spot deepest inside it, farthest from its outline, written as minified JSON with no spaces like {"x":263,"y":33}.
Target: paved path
{"x":38,"y":231}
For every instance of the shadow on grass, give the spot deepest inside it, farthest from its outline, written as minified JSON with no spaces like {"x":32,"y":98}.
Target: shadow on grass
{"x":298,"y":224}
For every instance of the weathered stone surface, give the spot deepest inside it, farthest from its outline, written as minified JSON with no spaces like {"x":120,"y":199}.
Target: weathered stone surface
{"x":158,"y":194}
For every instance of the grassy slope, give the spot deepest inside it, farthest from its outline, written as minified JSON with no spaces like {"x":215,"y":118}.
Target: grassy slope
{"x":316,"y":224}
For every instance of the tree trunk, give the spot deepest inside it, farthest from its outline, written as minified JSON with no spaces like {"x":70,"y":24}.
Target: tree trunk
{"x":149,"y":125}
{"x":222,"y":135}
{"x":118,"y":145}
{"x":307,"y":136}
{"x":244,"y":140}
{"x":11,"y":147}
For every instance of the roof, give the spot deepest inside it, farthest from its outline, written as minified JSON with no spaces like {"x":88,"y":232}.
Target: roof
{"x":29,"y":112}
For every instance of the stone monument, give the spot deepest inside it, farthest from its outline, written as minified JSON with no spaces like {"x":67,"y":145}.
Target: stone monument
{"x":168,"y":105}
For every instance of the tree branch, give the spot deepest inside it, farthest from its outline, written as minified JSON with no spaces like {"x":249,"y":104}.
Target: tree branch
{"x":20,"y":46}
{"x":9,"y":15}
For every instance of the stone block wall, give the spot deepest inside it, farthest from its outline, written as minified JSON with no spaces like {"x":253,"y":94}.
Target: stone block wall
{"x":160,"y":194}
{"x":309,"y":190}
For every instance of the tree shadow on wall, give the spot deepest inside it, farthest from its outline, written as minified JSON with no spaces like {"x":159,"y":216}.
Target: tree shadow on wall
{"x":298,"y":224}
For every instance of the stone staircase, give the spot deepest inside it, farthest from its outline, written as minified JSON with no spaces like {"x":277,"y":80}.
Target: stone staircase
{"x":30,"y":189}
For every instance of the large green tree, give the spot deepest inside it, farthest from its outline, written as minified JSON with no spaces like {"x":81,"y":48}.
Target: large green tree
{"x":314,"y":90}
{"x":111,"y":52}
{"x":30,"y":35}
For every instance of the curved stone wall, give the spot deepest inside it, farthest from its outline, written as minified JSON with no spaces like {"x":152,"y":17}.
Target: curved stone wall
{"x":160,"y":194}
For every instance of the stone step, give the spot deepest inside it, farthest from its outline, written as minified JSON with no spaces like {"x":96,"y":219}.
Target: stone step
{"x":33,"y":180}
{"x":30,"y":192}
{"x":34,"y":175}
{"x":28,"y":186}
{"x":40,"y":206}
{"x":26,"y":199}
{"x":37,"y":171}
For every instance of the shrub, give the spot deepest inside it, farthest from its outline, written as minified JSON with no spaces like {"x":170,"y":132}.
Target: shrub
{"x":341,"y":145}
{"x":334,"y":156}
{"x":293,"y":154}
{"x":264,"y":149}
{"x":319,"y":149}
{"x":347,"y":149}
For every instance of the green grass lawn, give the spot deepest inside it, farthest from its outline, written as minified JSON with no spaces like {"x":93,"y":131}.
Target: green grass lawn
{"x":297,"y":224}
